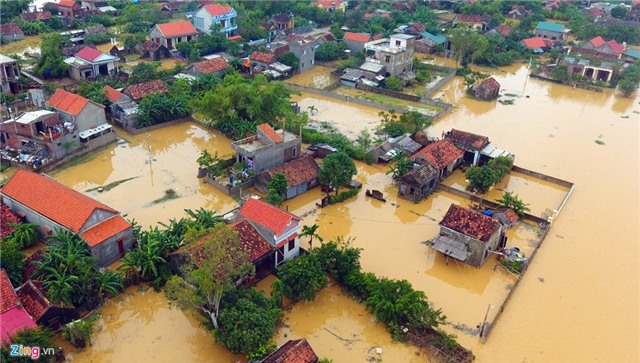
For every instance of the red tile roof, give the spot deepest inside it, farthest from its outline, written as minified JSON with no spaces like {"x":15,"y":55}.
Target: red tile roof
{"x":271,"y":133}
{"x":504,"y":30}
{"x":67,"y":3}
{"x":511,"y":215}
{"x":595,"y":12}
{"x":176,"y":29}
{"x":467,"y":139}
{"x":263,"y":57}
{"x":293,"y":351}
{"x":33,"y":299}
{"x":597,"y":41}
{"x":105,"y":230}
{"x":267,"y":215}
{"x":474,"y":18}
{"x":212,"y":65}
{"x":29,"y":265}
{"x":151,"y":46}
{"x":68,"y":102}
{"x":298,"y":171}
{"x":218,"y":9}
{"x":490,"y":83}
{"x":6,"y":217}
{"x":469,"y":222}
{"x":534,"y":43}
{"x":9,"y":298}
{"x":617,"y":47}
{"x":112,"y":94}
{"x":10,"y":29}
{"x":252,"y":241}
{"x":328,"y":3}
{"x":139,"y":90}
{"x":357,"y":37}
{"x":51,"y":199}
{"x":280,"y":50}
{"x":89,"y":54}
{"x":42,"y":15}
{"x":440,"y":154}
{"x":12,"y":320}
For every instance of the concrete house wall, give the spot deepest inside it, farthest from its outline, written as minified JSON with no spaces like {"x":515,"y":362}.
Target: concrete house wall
{"x":273,"y":240}
{"x":202,"y":21}
{"x":305,"y":53}
{"x":91,"y":116}
{"x":109,"y":251}
{"x":479,"y":249}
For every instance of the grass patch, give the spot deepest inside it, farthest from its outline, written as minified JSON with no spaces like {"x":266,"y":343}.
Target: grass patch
{"x":110,"y":185}
{"x":168,"y":195}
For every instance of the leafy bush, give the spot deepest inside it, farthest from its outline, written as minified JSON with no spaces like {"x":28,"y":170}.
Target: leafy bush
{"x":343,"y":196}
{"x":302,"y":277}
{"x":99,"y":38}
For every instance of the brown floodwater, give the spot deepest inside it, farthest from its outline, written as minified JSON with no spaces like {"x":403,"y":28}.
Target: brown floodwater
{"x":579,"y":299}
{"x":318,"y":77}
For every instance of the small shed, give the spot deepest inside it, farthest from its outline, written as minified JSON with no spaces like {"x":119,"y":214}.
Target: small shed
{"x":487,"y":89}
{"x":419,"y":183}
{"x":301,"y":174}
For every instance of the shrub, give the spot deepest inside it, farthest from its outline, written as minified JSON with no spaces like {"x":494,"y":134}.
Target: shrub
{"x":343,"y":196}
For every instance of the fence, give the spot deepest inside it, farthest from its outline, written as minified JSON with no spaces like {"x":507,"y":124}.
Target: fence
{"x":340,"y":97}
{"x":451,"y":72}
{"x":388,"y":92}
{"x":134,"y":131}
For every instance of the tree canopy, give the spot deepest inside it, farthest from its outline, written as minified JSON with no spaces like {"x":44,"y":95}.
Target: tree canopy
{"x":337,"y":170}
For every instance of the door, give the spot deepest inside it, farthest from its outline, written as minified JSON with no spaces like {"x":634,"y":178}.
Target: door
{"x":121,"y":245}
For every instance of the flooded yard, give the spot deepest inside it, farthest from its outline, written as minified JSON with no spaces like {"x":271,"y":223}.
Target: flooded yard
{"x":553,"y":131}
{"x":319,"y":77}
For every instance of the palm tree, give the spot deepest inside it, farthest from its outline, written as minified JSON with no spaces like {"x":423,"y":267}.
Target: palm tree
{"x":150,"y":253}
{"x":60,"y":286}
{"x":402,"y":166}
{"x":108,"y":282}
{"x":311,"y":231}
{"x":24,"y":235}
{"x":130,"y":268}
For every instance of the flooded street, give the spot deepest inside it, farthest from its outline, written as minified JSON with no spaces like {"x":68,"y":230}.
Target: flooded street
{"x":578,"y":300}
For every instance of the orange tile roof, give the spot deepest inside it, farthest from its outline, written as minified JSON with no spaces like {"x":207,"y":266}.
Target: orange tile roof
{"x":267,"y":215}
{"x":597,"y":41}
{"x":67,"y":3}
{"x":139,"y":90}
{"x":33,"y":299}
{"x":68,"y":102}
{"x":271,"y":133}
{"x":534,"y":43}
{"x":328,"y":3}
{"x":298,"y":171}
{"x":357,"y":37}
{"x":177,"y":28}
{"x":469,"y":222}
{"x":105,"y":230}
{"x":112,"y":94}
{"x":263,"y":57}
{"x":293,"y":351}
{"x":9,"y":298}
{"x":218,"y":9}
{"x":212,"y":65}
{"x":252,"y":241}
{"x":440,"y":154}
{"x":52,"y":199}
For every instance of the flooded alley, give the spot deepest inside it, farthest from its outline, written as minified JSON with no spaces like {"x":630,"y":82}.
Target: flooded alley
{"x":591,"y":249}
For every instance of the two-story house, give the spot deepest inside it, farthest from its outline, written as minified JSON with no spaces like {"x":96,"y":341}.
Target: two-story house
{"x":395,"y":53}
{"x":49,"y":204}
{"x":279,"y":228}
{"x":330,"y":5}
{"x":468,"y":235}
{"x":304,"y":48}
{"x":90,"y":63}
{"x":171,"y":34}
{"x":553,"y":31}
{"x":267,"y":149}
{"x":9,"y":74}
{"x":216,"y":14}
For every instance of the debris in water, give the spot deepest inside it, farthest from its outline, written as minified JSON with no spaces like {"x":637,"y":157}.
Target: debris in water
{"x":541,"y":279}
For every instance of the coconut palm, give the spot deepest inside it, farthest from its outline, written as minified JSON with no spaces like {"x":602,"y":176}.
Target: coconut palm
{"x":108,"y":282}
{"x":24,"y":235}
{"x":311,"y":232}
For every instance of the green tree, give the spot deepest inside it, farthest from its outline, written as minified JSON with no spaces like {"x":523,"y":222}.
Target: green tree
{"x":619,"y":12}
{"x":277,"y":189}
{"x":28,"y":337}
{"x":144,"y":71}
{"x":393,"y":83}
{"x":414,"y":121}
{"x":224,"y":262}
{"x":149,"y":256}
{"x":337,"y":170}
{"x":78,"y":332}
{"x":302,"y":277}
{"x":93,"y":91}
{"x":291,"y":60}
{"x":630,"y":79}
{"x":129,"y":269}
{"x":513,"y":201}
{"x":336,"y":32}
{"x":12,"y":260}
{"x":108,"y":283}
{"x":468,"y":45}
{"x":12,"y":9}
{"x":402,"y":166}
{"x":51,"y":62}
{"x":157,"y":108}
{"x":327,"y":52}
{"x":480,"y":178}
{"x":25,"y":234}
{"x":560,"y":72}
{"x":501,"y":165}
{"x":247,"y":321}
{"x":311,"y":232}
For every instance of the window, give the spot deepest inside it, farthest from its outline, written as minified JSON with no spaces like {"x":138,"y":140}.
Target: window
{"x":387,"y":59}
{"x":292,"y":245}
{"x":293,"y":152}
{"x":397,"y":43}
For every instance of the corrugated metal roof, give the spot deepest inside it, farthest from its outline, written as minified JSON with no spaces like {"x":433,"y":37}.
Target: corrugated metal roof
{"x":451,"y":247}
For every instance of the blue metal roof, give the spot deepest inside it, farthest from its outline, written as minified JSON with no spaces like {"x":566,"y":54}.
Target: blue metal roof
{"x":440,"y":39}
{"x":635,"y":53}
{"x":552,"y":27}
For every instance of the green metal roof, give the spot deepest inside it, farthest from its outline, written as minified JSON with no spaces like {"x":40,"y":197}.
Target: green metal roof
{"x":552,"y":27}
{"x":440,"y":39}
{"x":635,"y":53}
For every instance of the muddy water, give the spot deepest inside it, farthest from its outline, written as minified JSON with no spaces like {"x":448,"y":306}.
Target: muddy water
{"x":139,"y":326}
{"x":173,"y":152}
{"x":319,"y":77}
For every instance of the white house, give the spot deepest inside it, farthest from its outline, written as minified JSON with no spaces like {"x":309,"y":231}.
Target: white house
{"x":89,"y":63}
{"x":170,"y":34}
{"x":222,"y":15}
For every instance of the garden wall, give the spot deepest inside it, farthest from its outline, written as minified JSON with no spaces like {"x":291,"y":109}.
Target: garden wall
{"x":134,"y":131}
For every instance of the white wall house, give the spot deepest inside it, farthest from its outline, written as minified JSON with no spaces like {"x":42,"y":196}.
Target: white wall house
{"x":222,"y":15}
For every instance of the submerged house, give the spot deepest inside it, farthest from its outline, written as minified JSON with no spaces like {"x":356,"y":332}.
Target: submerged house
{"x":49,"y":204}
{"x":279,"y":228}
{"x":472,"y":144}
{"x":267,"y":149}
{"x":301,"y":174}
{"x":418,"y":183}
{"x":487,"y":89}
{"x":468,"y":235}
{"x":442,"y":155}
{"x":33,"y":298}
